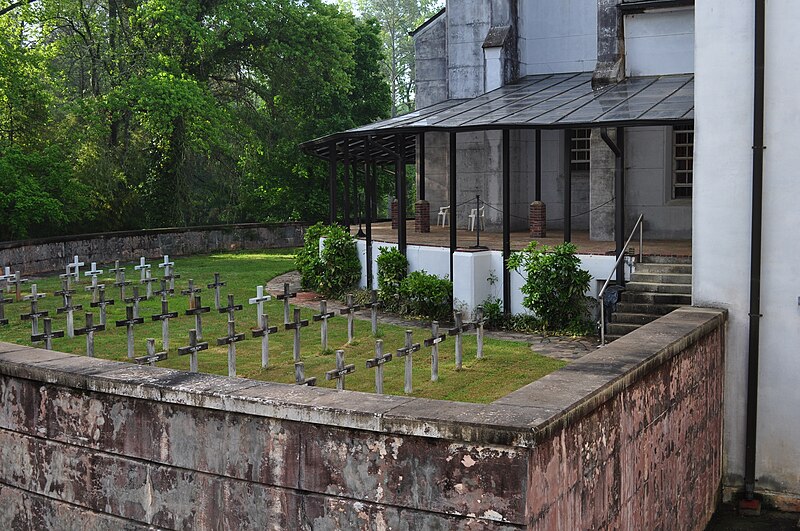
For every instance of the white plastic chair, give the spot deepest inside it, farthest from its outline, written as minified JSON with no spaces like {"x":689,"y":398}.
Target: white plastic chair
{"x":442,"y":216}
{"x":473,"y":214}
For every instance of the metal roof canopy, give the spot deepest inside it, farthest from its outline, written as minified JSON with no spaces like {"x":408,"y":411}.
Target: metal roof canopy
{"x":546,"y":101}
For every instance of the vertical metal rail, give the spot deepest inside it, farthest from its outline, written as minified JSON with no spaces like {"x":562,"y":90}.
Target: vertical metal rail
{"x":506,"y":220}
{"x":452,"y":184}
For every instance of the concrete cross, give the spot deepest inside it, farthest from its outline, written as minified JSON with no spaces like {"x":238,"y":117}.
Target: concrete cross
{"x":340,"y":371}
{"x":130,"y":321}
{"x":373,"y":305}
{"x":136,"y":299}
{"x":164,"y":317}
{"x":89,"y":331}
{"x":259,"y":300}
{"x":121,"y":283}
{"x":35,"y":312}
{"x":264,"y":333}
{"x":94,"y":287}
{"x":17,"y":281}
{"x":148,"y":282}
{"x":69,"y":308}
{"x":66,"y":287}
{"x":296,"y":326}
{"x":231,"y":308}
{"x":479,"y":321}
{"x":285,"y":296}
{"x":117,"y":269}
{"x":152,"y":356}
{"x":191,"y":291}
{"x":3,"y":301}
{"x":142,"y":268}
{"x":216,"y":285}
{"x":5,"y":277}
{"x":350,"y":310}
{"x":377,"y":362}
{"x":458,"y":330}
{"x":198,"y":311}
{"x":433,"y":342}
{"x":48,"y":334}
{"x":164,"y":289}
{"x":300,"y":375}
{"x":193,"y":348}
{"x":101,"y":303}
{"x":231,"y":339}
{"x":407,"y":352}
{"x":169,"y":272}
{"x":75,"y":267}
{"x":323,"y":316}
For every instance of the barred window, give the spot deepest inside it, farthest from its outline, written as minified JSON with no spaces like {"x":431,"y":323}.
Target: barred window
{"x":683,"y":161}
{"x":579,"y":147}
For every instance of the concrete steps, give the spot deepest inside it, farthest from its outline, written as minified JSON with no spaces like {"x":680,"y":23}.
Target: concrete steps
{"x":659,"y":285}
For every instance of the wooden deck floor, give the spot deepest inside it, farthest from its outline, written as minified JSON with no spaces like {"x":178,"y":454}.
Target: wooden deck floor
{"x":440,"y":237}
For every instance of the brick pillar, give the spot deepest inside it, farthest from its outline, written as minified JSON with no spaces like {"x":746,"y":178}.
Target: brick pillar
{"x":422,"y":216}
{"x":394,"y":213}
{"x":538,"y":220}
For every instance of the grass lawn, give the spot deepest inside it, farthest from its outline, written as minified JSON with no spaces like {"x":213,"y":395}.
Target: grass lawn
{"x":506,"y":365}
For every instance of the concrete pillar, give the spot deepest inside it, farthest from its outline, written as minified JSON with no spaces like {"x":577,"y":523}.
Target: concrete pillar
{"x":422,"y":216}
{"x":601,"y":188}
{"x":538,"y":220}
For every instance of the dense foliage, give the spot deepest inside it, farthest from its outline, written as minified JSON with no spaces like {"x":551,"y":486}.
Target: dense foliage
{"x":392,"y":269}
{"x":555,"y":287}
{"x":332,"y":270}
{"x":425,"y":295}
{"x":127,"y":114}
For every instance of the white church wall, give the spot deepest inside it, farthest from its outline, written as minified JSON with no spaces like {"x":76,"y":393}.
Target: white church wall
{"x":721,"y":233}
{"x":557,"y":36}
{"x":659,"y":42}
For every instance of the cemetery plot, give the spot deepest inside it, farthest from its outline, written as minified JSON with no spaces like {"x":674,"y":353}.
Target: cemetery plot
{"x":505,"y":366}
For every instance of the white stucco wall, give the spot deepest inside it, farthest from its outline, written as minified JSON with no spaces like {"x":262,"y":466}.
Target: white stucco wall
{"x":557,"y":36}
{"x":721,"y":233}
{"x":659,"y":42}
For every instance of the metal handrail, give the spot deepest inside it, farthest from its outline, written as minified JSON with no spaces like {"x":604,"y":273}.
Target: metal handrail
{"x":639,"y":224}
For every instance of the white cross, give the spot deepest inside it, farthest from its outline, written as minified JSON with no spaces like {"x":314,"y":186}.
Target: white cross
{"x":94,"y":271}
{"x":142,"y":267}
{"x":259,"y":299}
{"x":6,"y":277}
{"x":166,"y":265}
{"x":76,"y":264}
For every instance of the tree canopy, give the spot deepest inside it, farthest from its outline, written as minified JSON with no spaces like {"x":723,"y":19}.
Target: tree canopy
{"x":118,"y":114}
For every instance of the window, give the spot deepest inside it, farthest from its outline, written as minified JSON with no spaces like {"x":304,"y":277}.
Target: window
{"x":683,"y":161}
{"x":580,"y":141}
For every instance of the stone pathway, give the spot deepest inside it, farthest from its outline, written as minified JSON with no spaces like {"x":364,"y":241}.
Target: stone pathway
{"x":563,"y":348}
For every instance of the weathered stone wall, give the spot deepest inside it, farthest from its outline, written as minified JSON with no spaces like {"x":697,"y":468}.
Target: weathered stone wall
{"x":627,"y":437}
{"x":51,"y":254}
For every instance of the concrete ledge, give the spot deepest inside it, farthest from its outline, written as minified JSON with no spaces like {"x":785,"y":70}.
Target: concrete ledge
{"x":520,"y":419}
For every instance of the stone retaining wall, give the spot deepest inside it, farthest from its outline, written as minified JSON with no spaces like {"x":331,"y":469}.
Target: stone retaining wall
{"x":46,"y":255}
{"x":628,"y":437}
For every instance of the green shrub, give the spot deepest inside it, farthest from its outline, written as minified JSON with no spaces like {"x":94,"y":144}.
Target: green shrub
{"x":493,"y":313}
{"x":425,"y":295}
{"x":392,"y":269}
{"x":555,"y":287}
{"x":335,"y":269}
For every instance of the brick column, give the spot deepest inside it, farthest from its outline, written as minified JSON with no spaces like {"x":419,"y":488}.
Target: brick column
{"x":537,"y":220}
{"x":394,"y":214}
{"x":422,"y":216}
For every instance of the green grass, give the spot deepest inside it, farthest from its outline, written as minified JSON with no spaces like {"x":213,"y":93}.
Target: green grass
{"x":506,"y":365}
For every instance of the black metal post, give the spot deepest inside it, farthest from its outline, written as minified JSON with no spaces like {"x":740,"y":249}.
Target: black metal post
{"x":619,"y":211}
{"x":567,"y":185}
{"x":402,"y":197}
{"x":421,"y":166}
{"x":332,"y":184}
{"x":538,"y":152}
{"x":347,"y":219}
{"x":452,"y":183}
{"x":507,"y":218}
{"x":368,"y":204}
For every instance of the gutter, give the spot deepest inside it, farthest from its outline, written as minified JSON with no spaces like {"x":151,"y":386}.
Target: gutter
{"x":755,"y":252}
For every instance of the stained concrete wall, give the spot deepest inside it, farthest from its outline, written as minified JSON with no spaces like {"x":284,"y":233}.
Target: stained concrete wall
{"x":430,"y":55}
{"x":659,"y":42}
{"x":721,"y":233}
{"x":51,"y":254}
{"x":627,"y":437}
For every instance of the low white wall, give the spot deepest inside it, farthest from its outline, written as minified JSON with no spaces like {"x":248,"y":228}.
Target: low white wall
{"x":478,"y":274}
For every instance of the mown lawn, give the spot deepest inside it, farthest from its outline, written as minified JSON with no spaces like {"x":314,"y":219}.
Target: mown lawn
{"x":506,"y":365}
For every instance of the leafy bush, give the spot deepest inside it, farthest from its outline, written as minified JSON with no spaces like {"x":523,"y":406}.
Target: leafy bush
{"x":335,"y":269}
{"x":493,"y":313}
{"x":426,"y":295}
{"x":555,"y":287}
{"x":392,"y":269}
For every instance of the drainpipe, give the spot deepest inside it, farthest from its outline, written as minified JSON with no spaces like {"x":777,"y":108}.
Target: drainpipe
{"x":755,"y":253}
